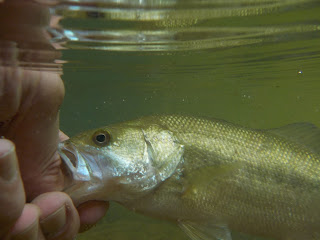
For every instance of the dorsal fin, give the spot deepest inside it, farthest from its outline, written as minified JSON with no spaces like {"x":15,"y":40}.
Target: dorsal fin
{"x":306,"y":134}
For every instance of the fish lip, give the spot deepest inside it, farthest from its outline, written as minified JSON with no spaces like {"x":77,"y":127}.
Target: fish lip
{"x":80,"y":167}
{"x":82,"y":172}
{"x":74,"y":162}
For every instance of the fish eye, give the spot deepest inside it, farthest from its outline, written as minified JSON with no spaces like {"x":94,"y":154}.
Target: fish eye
{"x":101,"y":138}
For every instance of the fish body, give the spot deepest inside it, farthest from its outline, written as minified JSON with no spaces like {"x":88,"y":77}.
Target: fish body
{"x":208,"y":175}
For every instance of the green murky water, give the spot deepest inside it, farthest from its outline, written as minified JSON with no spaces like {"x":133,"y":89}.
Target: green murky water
{"x":260,"y":84}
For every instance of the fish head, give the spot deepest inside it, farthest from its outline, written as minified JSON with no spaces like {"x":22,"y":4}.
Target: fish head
{"x":120,"y":163}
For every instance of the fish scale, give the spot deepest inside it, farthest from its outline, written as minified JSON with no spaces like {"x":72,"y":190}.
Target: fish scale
{"x":215,"y":176}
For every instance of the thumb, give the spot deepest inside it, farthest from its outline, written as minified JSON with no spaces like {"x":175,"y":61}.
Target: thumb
{"x":12,"y":197}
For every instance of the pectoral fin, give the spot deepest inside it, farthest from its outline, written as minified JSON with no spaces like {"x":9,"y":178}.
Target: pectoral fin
{"x":205,"y":177}
{"x":205,"y":231}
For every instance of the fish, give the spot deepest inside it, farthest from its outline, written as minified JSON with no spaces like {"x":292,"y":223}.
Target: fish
{"x":209,"y":176}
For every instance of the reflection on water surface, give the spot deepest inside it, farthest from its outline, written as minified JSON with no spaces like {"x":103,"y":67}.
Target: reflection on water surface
{"x":178,"y":25}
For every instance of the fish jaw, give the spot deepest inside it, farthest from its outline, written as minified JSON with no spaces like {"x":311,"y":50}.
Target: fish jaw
{"x":95,"y":174}
{"x":83,"y":174}
{"x":135,"y":161}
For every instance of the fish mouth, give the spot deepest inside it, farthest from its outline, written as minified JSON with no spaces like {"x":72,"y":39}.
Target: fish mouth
{"x":68,"y":155}
{"x":75,"y":165}
{"x":82,"y":172}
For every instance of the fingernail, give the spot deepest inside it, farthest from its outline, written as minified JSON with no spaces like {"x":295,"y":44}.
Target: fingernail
{"x":30,"y":232}
{"x":54,"y":223}
{"x":8,"y":160}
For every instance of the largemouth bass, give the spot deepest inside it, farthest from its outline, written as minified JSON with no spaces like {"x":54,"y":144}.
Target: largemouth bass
{"x":208,"y":175}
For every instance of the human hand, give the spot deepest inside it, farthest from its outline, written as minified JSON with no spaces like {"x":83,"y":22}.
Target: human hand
{"x":32,"y":205}
{"x":29,"y":103}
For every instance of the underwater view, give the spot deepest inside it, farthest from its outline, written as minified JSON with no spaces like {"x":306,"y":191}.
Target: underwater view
{"x":255,"y":64}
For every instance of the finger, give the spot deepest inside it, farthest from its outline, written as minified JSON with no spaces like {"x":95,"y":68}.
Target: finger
{"x":59,"y":218}
{"x":38,"y":127}
{"x":91,"y":212}
{"x":27,"y":226}
{"x":10,"y":98}
{"x":24,"y":22}
{"x":12,"y":196}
